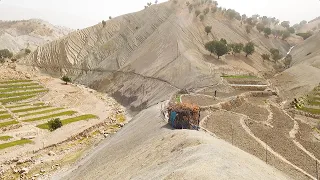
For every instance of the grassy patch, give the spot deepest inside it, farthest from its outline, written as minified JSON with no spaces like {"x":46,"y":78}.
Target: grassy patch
{"x":18,"y":85}
{"x":4,"y":124}
{"x":239,"y":76}
{"x":21,"y":93}
{"x":314,"y":103}
{"x":16,"y":99}
{"x":30,"y":109}
{"x":15,"y":81}
{"x":20,"y":89}
{"x":39,"y":104}
{"x":41,"y":112}
{"x":16,"y":106}
{"x":5,"y":138}
{"x":120,"y":118}
{"x":66,"y":113}
{"x":178,"y":97}
{"x":15,"y":143}
{"x":3,"y":112}
{"x":70,"y":120}
{"x":6,"y":116}
{"x":310,"y":110}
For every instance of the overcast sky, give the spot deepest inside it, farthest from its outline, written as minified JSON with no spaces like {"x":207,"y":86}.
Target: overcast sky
{"x":79,"y":14}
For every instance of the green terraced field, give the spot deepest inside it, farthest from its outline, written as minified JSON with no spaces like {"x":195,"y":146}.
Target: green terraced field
{"x":16,"y":106}
{"x":18,"y":85}
{"x":3,"y":112}
{"x":20,"y":89}
{"x":9,"y":95}
{"x":5,"y":138}
{"x":6,"y":116}
{"x":70,"y":120}
{"x":30,"y":109}
{"x":66,"y":113}
{"x":16,"y":99}
{"x":15,"y":81}
{"x":41,"y":112}
{"x":15,"y":143}
{"x":4,"y":124}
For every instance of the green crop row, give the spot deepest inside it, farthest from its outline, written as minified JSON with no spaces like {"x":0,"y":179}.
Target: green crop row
{"x":66,"y":113}
{"x":70,"y":120}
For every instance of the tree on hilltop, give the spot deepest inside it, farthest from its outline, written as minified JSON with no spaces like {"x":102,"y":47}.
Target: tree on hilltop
{"x":66,"y":79}
{"x":218,"y":48}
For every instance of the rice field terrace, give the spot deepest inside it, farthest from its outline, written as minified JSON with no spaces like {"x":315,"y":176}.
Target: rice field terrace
{"x":20,"y":106}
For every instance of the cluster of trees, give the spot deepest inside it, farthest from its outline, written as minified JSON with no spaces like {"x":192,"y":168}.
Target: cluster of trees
{"x":5,"y":53}
{"x":221,"y":48}
{"x":54,"y":124}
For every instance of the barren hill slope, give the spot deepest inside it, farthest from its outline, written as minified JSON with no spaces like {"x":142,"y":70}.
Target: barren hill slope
{"x":16,"y":35}
{"x":144,"y":57}
{"x":304,"y":74}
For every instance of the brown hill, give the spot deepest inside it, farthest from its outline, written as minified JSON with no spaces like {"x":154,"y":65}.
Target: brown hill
{"x":143,"y":58}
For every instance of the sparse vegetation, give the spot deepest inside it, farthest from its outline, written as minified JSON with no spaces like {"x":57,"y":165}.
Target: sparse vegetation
{"x":249,"y":48}
{"x":265,"y":57}
{"x":248,"y":29}
{"x":70,"y":120}
{"x":66,"y":79}
{"x":54,"y":124}
{"x":8,"y":123}
{"x":197,"y":12}
{"x":206,"y":11}
{"x":260,"y":27}
{"x":285,"y":34}
{"x":5,"y":53}
{"x":15,"y":143}
{"x":5,"y":138}
{"x":201,"y":17}
{"x":208,"y":29}
{"x":305,"y":35}
{"x":275,"y":54}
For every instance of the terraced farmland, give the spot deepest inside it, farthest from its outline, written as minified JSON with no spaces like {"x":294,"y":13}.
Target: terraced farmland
{"x":20,"y":106}
{"x":310,"y":103}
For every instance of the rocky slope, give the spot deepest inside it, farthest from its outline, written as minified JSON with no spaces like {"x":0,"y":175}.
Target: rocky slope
{"x":17,"y":35}
{"x":144,"y":57}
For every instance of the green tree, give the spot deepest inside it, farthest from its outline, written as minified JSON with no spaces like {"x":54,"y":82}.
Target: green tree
{"x":197,"y":12}
{"x":54,"y":124}
{"x":224,"y":41}
{"x":285,"y":24}
{"x":231,"y":13}
{"x":275,"y":54}
{"x":267,"y":31}
{"x":237,"y":48}
{"x":285,"y":35}
{"x":249,"y":48}
{"x":104,"y":23}
{"x":208,"y":29}
{"x":260,"y":27}
{"x":66,"y":79}
{"x":218,"y":48}
{"x":214,"y":10}
{"x":243,"y":17}
{"x":5,"y":53}
{"x":291,"y":30}
{"x":201,"y":17}
{"x":110,"y":17}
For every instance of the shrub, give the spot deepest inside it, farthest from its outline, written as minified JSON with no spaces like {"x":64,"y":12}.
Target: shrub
{"x":248,"y":28}
{"x":66,"y":79}
{"x":27,"y":51}
{"x":197,"y":12}
{"x":236,"y":47}
{"x":288,"y":60}
{"x":285,"y":24}
{"x":275,"y":53}
{"x":267,"y":31}
{"x":190,"y":7}
{"x":201,"y":17}
{"x":249,"y":48}
{"x":208,"y":29}
{"x":205,"y":11}
{"x":104,"y":23}
{"x":285,"y":35}
{"x":260,"y":27}
{"x":265,"y":57}
{"x":291,"y":30}
{"x":54,"y":124}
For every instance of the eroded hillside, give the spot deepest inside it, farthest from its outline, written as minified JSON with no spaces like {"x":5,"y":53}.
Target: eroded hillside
{"x":143,"y":58}
{"x":17,"y":35}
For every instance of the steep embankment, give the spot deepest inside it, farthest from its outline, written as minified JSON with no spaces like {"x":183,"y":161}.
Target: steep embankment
{"x":168,"y":154}
{"x":17,"y":35}
{"x":144,"y":57}
{"x":304,"y":73}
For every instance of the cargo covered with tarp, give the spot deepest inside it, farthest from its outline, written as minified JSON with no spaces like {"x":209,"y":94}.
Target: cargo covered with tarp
{"x":184,"y":116}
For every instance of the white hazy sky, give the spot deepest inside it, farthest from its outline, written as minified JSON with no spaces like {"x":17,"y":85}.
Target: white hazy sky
{"x":79,"y":14}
